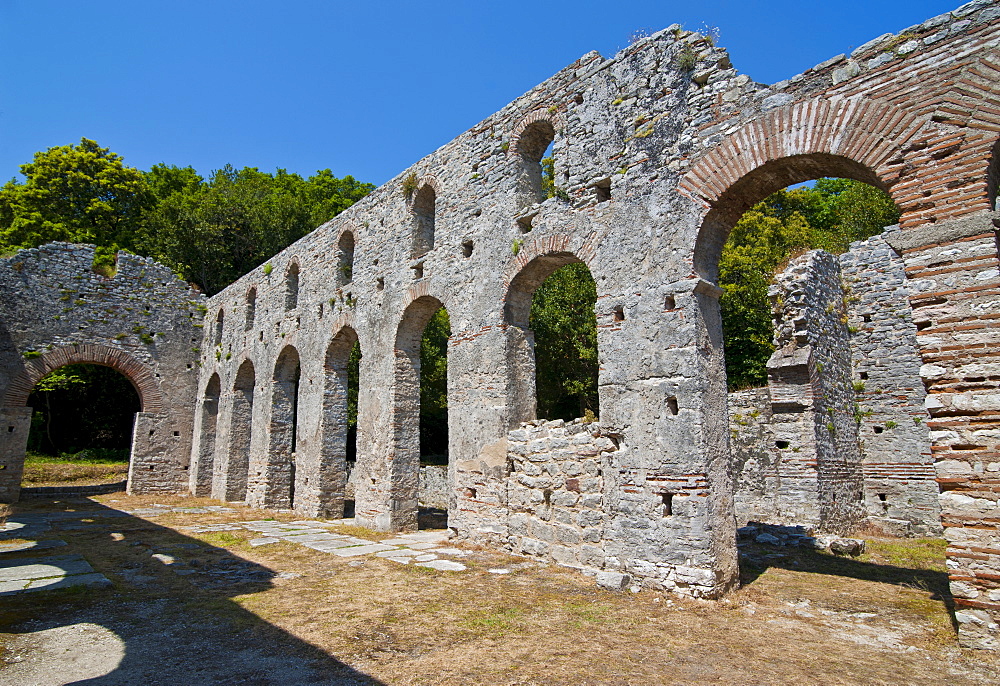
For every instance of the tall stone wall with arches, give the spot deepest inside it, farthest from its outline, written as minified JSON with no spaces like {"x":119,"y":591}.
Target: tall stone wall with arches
{"x":142,"y":321}
{"x":658,"y":151}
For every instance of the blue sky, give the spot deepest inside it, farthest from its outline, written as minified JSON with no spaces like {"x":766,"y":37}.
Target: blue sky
{"x":362,"y":88}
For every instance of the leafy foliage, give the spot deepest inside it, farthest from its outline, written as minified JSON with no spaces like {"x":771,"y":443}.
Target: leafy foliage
{"x":829,"y":215}
{"x":209,"y":231}
{"x":434,"y":388}
{"x":565,"y":327}
{"x":82,"y":406}
{"x":78,"y":193}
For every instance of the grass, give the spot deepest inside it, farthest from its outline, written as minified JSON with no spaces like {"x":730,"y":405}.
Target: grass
{"x":66,"y":470}
{"x":803,"y":617}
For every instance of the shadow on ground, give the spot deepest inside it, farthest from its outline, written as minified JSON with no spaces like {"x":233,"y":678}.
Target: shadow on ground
{"x":170,"y":615}
{"x":755,"y":559}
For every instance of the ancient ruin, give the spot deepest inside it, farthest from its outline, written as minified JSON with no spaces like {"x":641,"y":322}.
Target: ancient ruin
{"x":883,"y":392}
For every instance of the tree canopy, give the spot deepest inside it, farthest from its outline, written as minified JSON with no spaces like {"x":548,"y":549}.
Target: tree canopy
{"x":210,"y":231}
{"x":829,"y":215}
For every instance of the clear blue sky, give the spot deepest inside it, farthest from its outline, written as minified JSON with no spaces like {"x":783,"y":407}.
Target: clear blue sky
{"x":362,"y":88}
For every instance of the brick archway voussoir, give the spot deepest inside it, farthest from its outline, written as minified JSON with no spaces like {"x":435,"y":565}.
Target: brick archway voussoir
{"x":868,"y":132}
{"x":141,"y":377}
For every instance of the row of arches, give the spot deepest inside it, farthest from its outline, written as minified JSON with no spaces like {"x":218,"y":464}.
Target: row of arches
{"x":291,"y":458}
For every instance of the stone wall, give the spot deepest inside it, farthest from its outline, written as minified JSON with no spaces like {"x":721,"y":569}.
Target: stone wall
{"x":776,"y":432}
{"x":658,"y":151}
{"x":798,"y":459}
{"x":901,"y":493}
{"x":143,"y":321}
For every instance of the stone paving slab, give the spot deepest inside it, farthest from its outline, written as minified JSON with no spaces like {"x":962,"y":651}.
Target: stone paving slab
{"x":445,"y":565}
{"x":31,"y":545}
{"x":93,"y":579}
{"x":42,"y":567}
{"x":266,"y":540}
{"x":353,"y":551}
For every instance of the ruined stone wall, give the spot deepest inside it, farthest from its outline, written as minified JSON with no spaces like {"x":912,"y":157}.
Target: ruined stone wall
{"x":901,"y":493}
{"x":144,"y":321}
{"x":658,"y":151}
{"x":795,"y":446}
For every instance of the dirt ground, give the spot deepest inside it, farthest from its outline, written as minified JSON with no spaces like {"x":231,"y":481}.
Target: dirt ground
{"x":227,"y":613}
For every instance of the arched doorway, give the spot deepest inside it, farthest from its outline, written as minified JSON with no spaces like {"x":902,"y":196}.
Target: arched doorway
{"x":17,"y":414}
{"x":81,"y":428}
{"x":550,"y":314}
{"x":340,"y":418}
{"x":404,"y":469}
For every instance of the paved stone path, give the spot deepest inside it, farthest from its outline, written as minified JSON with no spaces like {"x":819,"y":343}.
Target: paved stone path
{"x":423,"y":548}
{"x":31,"y":532}
{"x":40,"y":573}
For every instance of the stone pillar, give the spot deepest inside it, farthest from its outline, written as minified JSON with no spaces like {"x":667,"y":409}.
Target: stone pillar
{"x":954,"y":282}
{"x":818,"y":477}
{"x":15,"y":423}
{"x":156,"y":464}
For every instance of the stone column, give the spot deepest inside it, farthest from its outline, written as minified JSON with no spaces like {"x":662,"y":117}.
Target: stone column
{"x":15,"y":423}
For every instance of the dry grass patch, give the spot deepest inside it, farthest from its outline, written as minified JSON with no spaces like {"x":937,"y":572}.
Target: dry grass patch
{"x":795,"y":621}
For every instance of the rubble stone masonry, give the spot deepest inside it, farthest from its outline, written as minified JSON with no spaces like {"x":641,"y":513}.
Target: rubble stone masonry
{"x":658,"y":151}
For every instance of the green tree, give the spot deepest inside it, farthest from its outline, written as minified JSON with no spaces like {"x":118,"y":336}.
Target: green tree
{"x":78,"y":193}
{"x":212,"y":232}
{"x":565,"y":327}
{"x":829,"y":215}
{"x":434,"y":389}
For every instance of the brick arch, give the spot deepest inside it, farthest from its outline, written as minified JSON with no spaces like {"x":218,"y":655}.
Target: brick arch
{"x":869,"y":133}
{"x":852,"y":138}
{"x":553,"y":118}
{"x":140,"y":375}
{"x":425,"y":180}
{"x":547,"y":245}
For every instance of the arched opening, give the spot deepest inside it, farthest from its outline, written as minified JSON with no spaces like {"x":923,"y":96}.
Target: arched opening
{"x":420,"y":402}
{"x":434,"y":389}
{"x":424,"y":209}
{"x":81,"y":427}
{"x":292,"y":287}
{"x":828,"y":214}
{"x":345,"y":258}
{"x":219,"y":325}
{"x":818,"y":385}
{"x":204,"y":466}
{"x":533,"y":146}
{"x":284,"y":428}
{"x":340,"y":417}
{"x":251,"y":309}
{"x":553,"y":355}
{"x":240,"y":432}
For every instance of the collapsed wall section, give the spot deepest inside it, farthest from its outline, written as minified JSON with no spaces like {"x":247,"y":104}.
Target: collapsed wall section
{"x":138,"y":318}
{"x":901,"y":492}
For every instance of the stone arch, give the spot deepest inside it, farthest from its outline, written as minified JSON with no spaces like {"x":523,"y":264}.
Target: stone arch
{"x":292,"y":286}
{"x":796,"y":367}
{"x":424,"y":210}
{"x":404,"y":470}
{"x":203,"y":464}
{"x":756,"y":185}
{"x":283,"y":429}
{"x":533,"y":269}
{"x":139,"y":374}
{"x":240,"y":431}
{"x":532,"y":137}
{"x":346,"y":245}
